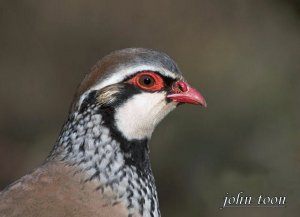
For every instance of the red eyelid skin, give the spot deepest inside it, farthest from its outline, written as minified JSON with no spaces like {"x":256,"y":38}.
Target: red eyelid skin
{"x":157,"y":85}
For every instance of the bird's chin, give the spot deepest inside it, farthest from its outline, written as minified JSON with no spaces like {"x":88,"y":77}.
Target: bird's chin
{"x":179,"y":104}
{"x":138,"y":116}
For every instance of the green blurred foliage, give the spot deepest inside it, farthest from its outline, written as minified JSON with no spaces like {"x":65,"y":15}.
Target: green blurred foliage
{"x":242,"y":55}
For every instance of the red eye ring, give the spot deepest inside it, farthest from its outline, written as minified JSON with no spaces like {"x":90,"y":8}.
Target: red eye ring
{"x":147,"y":80}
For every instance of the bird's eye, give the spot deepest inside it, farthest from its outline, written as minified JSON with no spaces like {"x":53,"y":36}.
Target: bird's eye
{"x":147,"y":80}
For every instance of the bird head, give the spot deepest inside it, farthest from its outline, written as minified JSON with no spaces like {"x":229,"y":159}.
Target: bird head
{"x":135,"y":89}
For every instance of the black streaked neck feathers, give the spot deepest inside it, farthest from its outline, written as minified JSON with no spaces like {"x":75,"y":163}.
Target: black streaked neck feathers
{"x":91,"y":142}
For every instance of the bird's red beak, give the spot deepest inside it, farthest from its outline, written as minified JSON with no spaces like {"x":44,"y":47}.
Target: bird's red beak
{"x":184,"y":93}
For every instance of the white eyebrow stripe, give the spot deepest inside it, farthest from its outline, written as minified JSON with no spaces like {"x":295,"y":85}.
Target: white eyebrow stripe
{"x":127,"y":72}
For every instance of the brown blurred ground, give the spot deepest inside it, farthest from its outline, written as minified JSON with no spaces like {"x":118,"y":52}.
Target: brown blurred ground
{"x":242,"y":55}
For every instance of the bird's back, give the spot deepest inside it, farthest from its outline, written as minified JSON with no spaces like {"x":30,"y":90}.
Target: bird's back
{"x":56,"y":189}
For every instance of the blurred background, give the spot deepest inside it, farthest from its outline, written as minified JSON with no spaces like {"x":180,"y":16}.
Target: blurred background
{"x":242,"y":55}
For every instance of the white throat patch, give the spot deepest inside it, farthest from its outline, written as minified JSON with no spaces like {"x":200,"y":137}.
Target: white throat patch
{"x":139,"y":115}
